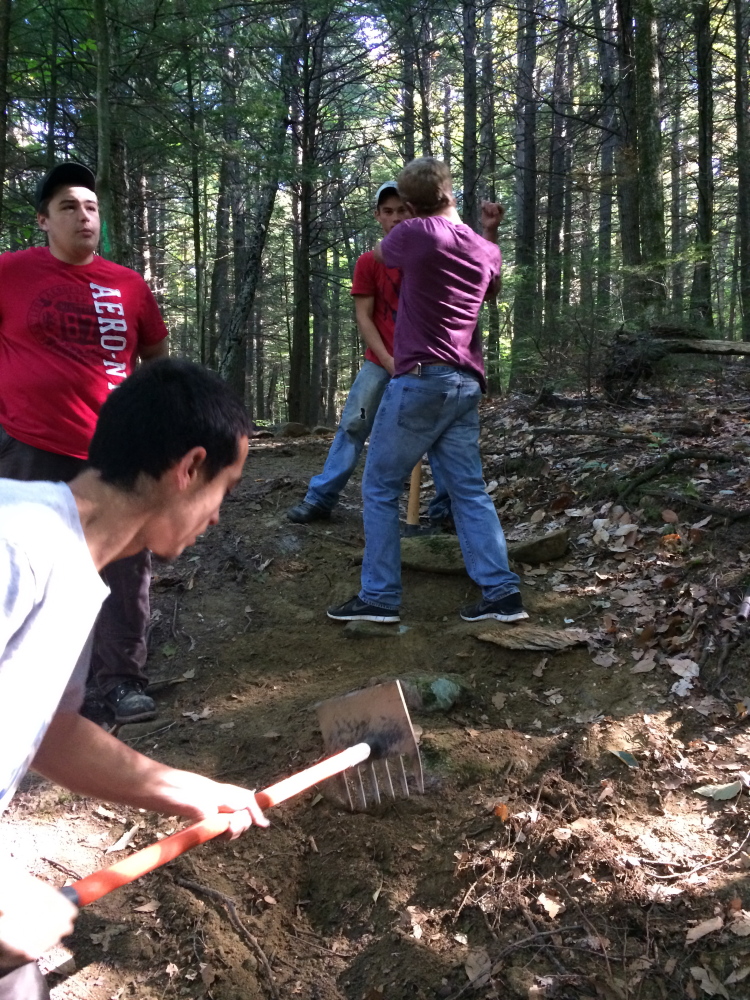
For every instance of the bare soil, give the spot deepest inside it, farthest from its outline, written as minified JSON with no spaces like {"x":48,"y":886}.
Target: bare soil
{"x":539,"y":863}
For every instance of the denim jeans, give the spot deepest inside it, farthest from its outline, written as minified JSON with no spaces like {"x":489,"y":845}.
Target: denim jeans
{"x":434,"y":412}
{"x":356,"y":423}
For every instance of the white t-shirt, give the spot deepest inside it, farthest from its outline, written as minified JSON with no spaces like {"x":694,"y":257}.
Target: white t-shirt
{"x":50,"y":595}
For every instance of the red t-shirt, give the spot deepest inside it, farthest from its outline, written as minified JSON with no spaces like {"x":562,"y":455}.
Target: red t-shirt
{"x":383,"y":283}
{"x":68,"y":335}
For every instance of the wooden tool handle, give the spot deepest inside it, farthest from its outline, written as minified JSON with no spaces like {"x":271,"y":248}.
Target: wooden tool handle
{"x":412,"y":508}
{"x":92,"y":887}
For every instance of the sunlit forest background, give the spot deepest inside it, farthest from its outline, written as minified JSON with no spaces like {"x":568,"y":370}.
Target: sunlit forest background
{"x":238,"y":147}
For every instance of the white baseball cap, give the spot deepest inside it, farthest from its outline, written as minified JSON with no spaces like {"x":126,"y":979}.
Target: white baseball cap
{"x":388,"y":186}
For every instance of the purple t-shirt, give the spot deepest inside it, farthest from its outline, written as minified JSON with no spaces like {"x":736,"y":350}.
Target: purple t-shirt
{"x":445,"y":272}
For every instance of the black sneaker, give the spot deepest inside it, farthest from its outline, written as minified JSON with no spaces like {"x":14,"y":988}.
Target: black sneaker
{"x":357,"y":611}
{"x":506,"y":609}
{"x":130,"y":704}
{"x":306,"y":512}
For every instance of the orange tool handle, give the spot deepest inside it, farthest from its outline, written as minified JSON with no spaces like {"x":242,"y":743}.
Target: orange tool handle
{"x":92,"y":887}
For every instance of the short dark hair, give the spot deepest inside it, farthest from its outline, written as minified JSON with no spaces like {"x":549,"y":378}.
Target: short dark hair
{"x":157,"y":415}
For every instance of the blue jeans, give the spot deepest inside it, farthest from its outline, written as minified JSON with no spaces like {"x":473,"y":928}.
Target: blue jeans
{"x":434,"y":412}
{"x":356,"y":423}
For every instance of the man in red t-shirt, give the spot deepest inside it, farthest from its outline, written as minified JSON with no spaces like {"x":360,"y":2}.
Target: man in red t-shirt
{"x":72,"y":327}
{"x":375,"y":289}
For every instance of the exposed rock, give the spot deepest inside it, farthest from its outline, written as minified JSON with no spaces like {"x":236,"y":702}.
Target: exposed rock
{"x":322,"y":431}
{"x":372,"y":630}
{"x":442,"y":553}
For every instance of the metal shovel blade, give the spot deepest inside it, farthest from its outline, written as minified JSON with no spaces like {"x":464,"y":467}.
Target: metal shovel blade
{"x":379,"y":717}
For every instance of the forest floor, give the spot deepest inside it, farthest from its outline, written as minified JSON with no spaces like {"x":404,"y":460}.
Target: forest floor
{"x":584,"y":831}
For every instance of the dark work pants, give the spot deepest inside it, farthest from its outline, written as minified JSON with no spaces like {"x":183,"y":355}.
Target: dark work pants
{"x":24,"y":983}
{"x":119,"y":648}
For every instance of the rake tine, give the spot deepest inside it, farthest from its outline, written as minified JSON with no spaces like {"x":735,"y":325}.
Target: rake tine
{"x":391,"y":790}
{"x":375,"y":786}
{"x":362,"y":792}
{"x":345,"y":780}
{"x":404,"y":782}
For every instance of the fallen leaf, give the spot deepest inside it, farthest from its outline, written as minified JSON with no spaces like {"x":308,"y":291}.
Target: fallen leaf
{"x":551,"y":905}
{"x":270,"y":900}
{"x":150,"y":907}
{"x":537,"y":516}
{"x":682,"y":666}
{"x":418,"y":847}
{"x":271,"y":735}
{"x":669,"y":517}
{"x":502,"y":812}
{"x":171,"y":970}
{"x":499,"y":699}
{"x":705,"y":927}
{"x":197,"y":716}
{"x":738,"y":976}
{"x":740,"y":925}
{"x":708,"y":982}
{"x":538,"y":670}
{"x":124,"y":840}
{"x":719,"y":793}
{"x":478,"y":966}
{"x":605,"y":659}
{"x":208,"y":974}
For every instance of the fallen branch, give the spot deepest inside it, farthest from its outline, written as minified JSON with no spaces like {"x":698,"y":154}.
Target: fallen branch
{"x":230,"y":906}
{"x":607,"y":432}
{"x":665,"y":464}
{"x":726,"y":512}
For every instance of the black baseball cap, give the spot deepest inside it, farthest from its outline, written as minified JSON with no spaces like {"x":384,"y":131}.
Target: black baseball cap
{"x":64,"y":173}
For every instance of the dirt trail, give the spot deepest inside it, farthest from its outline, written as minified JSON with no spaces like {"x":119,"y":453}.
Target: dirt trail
{"x":537,"y":861}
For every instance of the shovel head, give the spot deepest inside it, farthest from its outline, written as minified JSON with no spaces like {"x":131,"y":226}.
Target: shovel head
{"x":377,"y":716}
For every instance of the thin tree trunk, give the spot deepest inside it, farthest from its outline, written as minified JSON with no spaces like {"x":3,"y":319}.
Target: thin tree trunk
{"x":5,"y":12}
{"x":52,"y":92}
{"x":524,"y":324}
{"x":626,"y":165}
{"x":218,"y":310}
{"x":195,"y":203}
{"x":742,"y":123}
{"x":109,"y":245}
{"x":447,"y":125}
{"x":605,"y":36}
{"x":488,"y":168}
{"x":651,"y":195}
{"x":407,"y":92}
{"x":700,"y":294}
{"x":424,"y":68}
{"x":556,"y":182}
{"x":334,"y":338}
{"x":676,"y":219}
{"x":470,"y":209}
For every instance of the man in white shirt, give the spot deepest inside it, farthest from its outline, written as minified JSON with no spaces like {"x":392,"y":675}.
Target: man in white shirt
{"x":157,"y":489}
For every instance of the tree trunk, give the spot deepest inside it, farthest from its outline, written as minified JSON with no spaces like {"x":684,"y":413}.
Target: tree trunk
{"x":556,"y":182}
{"x":195,"y":203}
{"x":447,"y":124}
{"x":742,"y":124}
{"x":407,"y":93}
{"x":626,"y":165}
{"x":219,"y":304}
{"x":651,"y":195}
{"x":5,"y":11}
{"x":335,"y":333}
{"x":676,"y":216}
{"x":109,"y":243}
{"x":605,"y":36}
{"x":470,"y":209}
{"x":52,"y":92}
{"x":700,"y":293}
{"x":488,"y":168}
{"x":424,"y":69}
{"x":524,"y":318}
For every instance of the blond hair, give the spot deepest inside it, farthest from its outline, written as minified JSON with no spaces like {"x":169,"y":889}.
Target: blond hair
{"x":426,"y":184}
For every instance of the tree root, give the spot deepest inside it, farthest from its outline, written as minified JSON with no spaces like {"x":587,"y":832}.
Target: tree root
{"x":230,"y":906}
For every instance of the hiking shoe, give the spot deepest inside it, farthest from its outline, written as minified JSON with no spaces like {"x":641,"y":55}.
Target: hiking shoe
{"x":306,"y":512}
{"x":506,"y":609}
{"x":130,"y":704}
{"x":357,"y":611}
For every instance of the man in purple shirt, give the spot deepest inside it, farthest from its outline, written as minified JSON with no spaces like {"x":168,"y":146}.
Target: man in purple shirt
{"x":431,"y":403}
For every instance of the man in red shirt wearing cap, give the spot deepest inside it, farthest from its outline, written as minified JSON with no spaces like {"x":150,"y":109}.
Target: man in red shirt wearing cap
{"x":72,"y":326}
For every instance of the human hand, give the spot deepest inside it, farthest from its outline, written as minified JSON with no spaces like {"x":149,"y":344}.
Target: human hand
{"x":34,"y":917}
{"x":389,"y":364}
{"x":196,"y":797}
{"x":492,"y":215}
